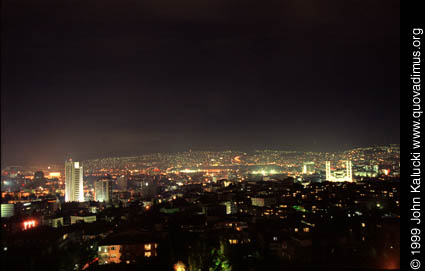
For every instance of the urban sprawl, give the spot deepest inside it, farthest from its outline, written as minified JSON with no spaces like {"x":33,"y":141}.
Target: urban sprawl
{"x":197,"y":210}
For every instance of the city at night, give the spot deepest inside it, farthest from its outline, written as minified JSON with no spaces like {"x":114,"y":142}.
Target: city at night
{"x":206,"y":135}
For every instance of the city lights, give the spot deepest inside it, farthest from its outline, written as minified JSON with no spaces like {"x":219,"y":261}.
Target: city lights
{"x":292,"y":194}
{"x":209,"y":135}
{"x":29,"y":224}
{"x":54,"y":174}
{"x":179,"y":266}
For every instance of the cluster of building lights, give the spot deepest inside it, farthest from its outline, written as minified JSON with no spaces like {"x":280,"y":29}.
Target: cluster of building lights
{"x":29,"y":224}
{"x":264,"y":172}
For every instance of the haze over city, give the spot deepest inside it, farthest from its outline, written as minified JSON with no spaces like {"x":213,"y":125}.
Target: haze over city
{"x":88,"y":81}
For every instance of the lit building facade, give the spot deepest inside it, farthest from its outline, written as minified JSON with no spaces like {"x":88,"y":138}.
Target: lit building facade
{"x":230,"y":208}
{"x":74,"y":190}
{"x":308,"y":168}
{"x":126,"y":253}
{"x":263,"y":201}
{"x":7,"y":210}
{"x":85,"y":219}
{"x":103,"y":190}
{"x":341,"y":175}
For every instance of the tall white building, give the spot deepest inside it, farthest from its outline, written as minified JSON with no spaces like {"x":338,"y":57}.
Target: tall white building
{"x":74,"y":189}
{"x":340,"y":176}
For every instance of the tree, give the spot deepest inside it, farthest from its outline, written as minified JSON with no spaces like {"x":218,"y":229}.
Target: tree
{"x":220,"y":262}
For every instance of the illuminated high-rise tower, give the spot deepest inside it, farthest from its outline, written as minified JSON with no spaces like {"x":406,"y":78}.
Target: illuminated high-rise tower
{"x":328,"y":170}
{"x":349,"y":170}
{"x":73,"y":181}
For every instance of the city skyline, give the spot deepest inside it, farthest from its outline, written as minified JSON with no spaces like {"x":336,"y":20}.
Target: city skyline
{"x":199,"y":160}
{"x":135,"y":211}
{"x":216,"y":151}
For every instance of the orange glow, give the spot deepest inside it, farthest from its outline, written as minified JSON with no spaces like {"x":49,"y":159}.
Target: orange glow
{"x":391,"y":265}
{"x":112,"y":253}
{"x":179,"y":266}
{"x":29,"y":224}
{"x":54,"y":174}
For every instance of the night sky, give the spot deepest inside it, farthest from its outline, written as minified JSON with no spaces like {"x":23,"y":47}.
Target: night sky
{"x":94,"y":78}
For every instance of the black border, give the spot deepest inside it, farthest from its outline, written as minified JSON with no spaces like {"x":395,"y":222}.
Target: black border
{"x":411,"y":17}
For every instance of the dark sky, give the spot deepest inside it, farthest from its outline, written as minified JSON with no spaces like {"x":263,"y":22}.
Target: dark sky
{"x":92,"y":78}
